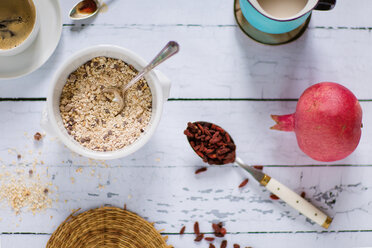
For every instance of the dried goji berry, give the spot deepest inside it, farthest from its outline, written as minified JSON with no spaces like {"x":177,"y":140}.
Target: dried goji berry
{"x":196,"y":228}
{"x":303,"y":194}
{"x":201,"y":170}
{"x":224,"y":244}
{"x":210,"y":239}
{"x":242,"y":184}
{"x":214,"y":147}
{"x":274,"y":197}
{"x":199,"y":238}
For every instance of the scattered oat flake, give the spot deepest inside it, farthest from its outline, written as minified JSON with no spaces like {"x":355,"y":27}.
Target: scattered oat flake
{"x":79,"y":170}
{"x":72,"y":179}
{"x":182,"y":231}
{"x":242,"y":184}
{"x":21,"y":194}
{"x":274,"y":197}
{"x":201,"y":170}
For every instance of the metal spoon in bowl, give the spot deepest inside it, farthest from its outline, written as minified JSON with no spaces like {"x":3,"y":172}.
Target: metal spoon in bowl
{"x":170,"y":49}
{"x":195,"y":132}
{"x":84,"y":9}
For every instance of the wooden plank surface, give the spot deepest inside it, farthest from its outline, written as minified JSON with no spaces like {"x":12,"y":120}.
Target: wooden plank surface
{"x":254,"y":240}
{"x":220,"y":76}
{"x":218,"y":60}
{"x":341,"y":191}
{"x":247,"y":121}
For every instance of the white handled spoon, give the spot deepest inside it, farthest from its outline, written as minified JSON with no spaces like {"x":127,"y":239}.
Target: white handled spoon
{"x":274,"y":186}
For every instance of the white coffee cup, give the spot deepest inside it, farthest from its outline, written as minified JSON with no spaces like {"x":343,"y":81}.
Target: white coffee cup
{"x":30,"y":38}
{"x":52,"y":121}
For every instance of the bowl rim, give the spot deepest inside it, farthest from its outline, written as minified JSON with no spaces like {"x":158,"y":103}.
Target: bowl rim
{"x":137,"y":144}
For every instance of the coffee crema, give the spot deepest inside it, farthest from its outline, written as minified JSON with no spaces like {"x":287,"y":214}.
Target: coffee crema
{"x":282,"y":8}
{"x":17,"y":20}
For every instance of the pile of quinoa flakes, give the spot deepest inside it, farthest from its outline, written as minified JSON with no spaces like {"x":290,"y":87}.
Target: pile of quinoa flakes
{"x":90,"y":115}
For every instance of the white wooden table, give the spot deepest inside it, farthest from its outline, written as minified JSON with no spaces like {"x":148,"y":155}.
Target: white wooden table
{"x":222,"y":76}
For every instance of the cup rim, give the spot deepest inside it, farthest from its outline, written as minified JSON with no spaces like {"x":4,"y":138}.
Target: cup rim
{"x":282,"y":19}
{"x":127,"y":150}
{"x":29,"y":39}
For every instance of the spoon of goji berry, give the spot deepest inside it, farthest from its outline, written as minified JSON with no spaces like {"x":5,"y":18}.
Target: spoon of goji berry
{"x":216,"y":147}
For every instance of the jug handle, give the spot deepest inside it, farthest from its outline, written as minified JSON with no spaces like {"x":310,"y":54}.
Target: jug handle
{"x":325,"y":5}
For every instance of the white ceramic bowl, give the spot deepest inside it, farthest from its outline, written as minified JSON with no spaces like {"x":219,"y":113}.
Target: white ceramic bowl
{"x":52,"y":121}
{"x":29,"y":40}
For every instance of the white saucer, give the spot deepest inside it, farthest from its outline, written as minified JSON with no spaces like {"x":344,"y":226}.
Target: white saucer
{"x":42,"y":48}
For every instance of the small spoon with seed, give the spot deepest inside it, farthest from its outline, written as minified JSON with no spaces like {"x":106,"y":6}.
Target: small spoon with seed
{"x":84,"y":9}
{"x":215,"y":146}
{"x":170,"y":49}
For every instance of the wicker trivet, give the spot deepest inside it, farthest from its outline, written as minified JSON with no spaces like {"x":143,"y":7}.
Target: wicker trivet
{"x":106,"y":227}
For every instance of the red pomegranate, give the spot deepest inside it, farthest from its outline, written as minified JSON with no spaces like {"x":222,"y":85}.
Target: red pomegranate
{"x":327,"y":122}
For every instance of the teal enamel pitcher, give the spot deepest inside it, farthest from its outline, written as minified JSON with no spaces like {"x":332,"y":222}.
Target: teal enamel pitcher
{"x":281,"y":16}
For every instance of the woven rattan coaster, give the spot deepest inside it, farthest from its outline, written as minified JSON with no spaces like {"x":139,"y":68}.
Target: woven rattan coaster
{"x":106,"y":227}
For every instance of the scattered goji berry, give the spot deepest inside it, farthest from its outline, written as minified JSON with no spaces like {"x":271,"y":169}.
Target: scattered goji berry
{"x":242,"y":184}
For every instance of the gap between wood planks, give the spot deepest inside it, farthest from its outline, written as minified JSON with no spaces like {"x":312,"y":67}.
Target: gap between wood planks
{"x":113,"y":166}
{"x":43,"y":99}
{"x":231,"y":233}
{"x":202,"y":25}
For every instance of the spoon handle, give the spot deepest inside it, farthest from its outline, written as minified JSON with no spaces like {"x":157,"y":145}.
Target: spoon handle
{"x":288,"y":195}
{"x":296,"y":201}
{"x":170,"y":49}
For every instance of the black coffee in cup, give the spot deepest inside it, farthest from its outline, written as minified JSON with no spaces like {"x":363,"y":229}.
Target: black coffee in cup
{"x":17,"y":20}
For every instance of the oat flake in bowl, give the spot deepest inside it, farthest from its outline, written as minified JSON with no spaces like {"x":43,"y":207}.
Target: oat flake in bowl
{"x":90,"y":115}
